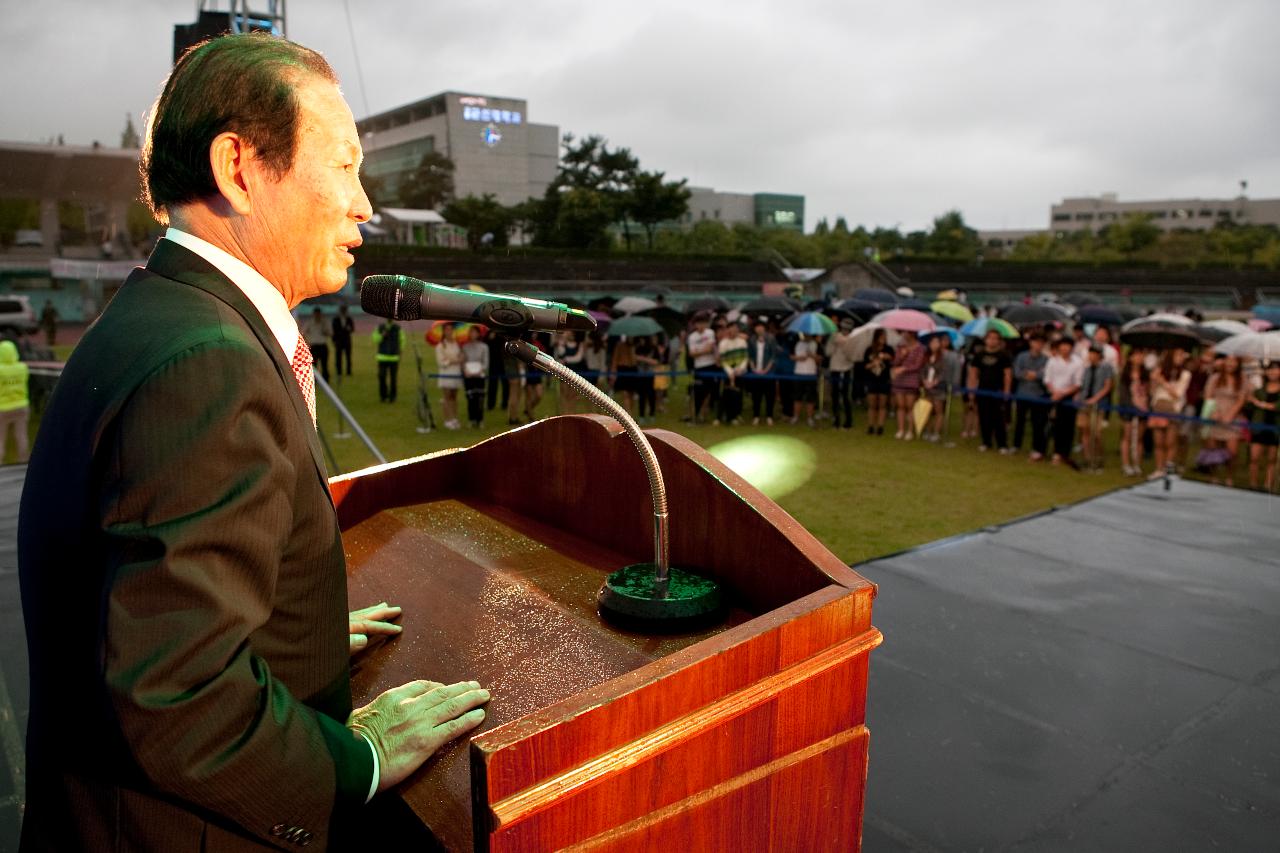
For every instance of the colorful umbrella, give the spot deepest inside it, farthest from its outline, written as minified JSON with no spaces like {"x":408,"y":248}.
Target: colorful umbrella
{"x":1264,"y":346}
{"x":812,"y":323}
{"x":602,"y":319}
{"x":951,"y":294}
{"x":978,"y":328}
{"x":1257,"y":324}
{"x":906,"y":320}
{"x":953,"y":310}
{"x":1269,"y":311}
{"x":462,"y":332}
{"x":634,"y":326}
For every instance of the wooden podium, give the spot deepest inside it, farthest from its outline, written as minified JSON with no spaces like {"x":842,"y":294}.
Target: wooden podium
{"x":745,"y":736}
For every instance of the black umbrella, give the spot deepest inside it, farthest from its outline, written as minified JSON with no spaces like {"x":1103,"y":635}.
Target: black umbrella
{"x":774,"y":306}
{"x":859,"y":308}
{"x":1078,"y":297}
{"x":1035,"y":314}
{"x":876,"y":295}
{"x":916,"y":304}
{"x":671,"y":320}
{"x":1128,"y":312}
{"x":706,"y":303}
{"x":1160,"y":336}
{"x":1100,"y":315}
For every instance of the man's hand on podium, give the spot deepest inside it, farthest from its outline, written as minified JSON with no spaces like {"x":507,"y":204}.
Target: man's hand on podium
{"x":372,"y":621}
{"x":407,"y":724}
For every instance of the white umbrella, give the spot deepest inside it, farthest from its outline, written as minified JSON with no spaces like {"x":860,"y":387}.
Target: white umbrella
{"x":1235,"y":327}
{"x":633,"y":305}
{"x":861,"y":337}
{"x":1160,"y":317}
{"x":1264,"y":346}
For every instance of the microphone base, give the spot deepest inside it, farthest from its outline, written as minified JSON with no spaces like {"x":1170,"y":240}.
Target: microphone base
{"x":630,"y":599}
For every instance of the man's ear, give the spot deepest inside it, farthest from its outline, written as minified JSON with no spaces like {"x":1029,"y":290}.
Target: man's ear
{"x":229,"y":157}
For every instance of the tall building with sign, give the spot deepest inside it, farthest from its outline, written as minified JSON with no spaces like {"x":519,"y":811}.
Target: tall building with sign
{"x":493,"y":145}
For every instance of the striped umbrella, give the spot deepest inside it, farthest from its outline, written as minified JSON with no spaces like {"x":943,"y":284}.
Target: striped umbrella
{"x":811,"y":323}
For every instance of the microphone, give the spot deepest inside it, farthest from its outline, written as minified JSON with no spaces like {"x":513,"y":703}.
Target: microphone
{"x":399,"y":297}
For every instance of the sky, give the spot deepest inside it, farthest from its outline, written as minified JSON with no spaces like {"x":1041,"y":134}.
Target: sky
{"x":884,"y":113}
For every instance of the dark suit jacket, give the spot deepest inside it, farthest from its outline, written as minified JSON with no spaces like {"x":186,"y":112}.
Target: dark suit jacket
{"x":184,"y":587}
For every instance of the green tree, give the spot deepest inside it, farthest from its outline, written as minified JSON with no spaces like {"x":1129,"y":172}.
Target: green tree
{"x":481,"y":215}
{"x":430,"y":185}
{"x":821,"y":229}
{"x":1130,"y":234}
{"x":590,"y":165}
{"x":842,"y":227}
{"x":951,"y":237}
{"x":582,"y":218}
{"x":653,"y":201}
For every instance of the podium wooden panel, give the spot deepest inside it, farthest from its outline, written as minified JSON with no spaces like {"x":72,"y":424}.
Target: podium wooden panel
{"x":746,"y":736}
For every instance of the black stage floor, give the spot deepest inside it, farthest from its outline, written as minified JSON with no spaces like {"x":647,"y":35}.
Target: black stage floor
{"x":1105,"y":677}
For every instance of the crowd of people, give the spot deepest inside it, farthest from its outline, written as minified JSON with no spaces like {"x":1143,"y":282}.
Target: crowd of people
{"x":1055,"y":393}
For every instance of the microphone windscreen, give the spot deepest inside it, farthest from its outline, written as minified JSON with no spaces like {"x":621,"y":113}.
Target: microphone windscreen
{"x":397,"y":297}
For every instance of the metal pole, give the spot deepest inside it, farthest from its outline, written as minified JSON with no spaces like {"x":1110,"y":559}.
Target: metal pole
{"x":657,"y":489}
{"x":345,"y":413}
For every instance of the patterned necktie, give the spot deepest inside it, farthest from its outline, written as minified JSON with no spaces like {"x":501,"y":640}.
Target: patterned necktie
{"x":301,"y":364}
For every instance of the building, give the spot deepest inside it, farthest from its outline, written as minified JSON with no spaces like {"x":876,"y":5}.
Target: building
{"x":1004,"y":239}
{"x":765,"y":210}
{"x":493,"y":145}
{"x":1197,"y":214}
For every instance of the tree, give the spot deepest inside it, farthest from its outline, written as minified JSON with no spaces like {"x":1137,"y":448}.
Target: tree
{"x":430,"y":185}
{"x":1132,"y":233}
{"x":821,"y":229}
{"x":841,"y":226}
{"x":653,"y":200}
{"x":591,"y":166}
{"x":129,"y":138}
{"x":582,"y":219}
{"x":481,"y":215}
{"x":951,"y":237}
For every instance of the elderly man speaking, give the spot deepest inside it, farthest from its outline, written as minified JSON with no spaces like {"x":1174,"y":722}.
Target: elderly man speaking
{"x":183,"y":579}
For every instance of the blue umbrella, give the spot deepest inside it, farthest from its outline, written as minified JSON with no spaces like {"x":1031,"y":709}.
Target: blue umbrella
{"x":957,"y":339}
{"x":812,"y":323}
{"x":979,"y":327}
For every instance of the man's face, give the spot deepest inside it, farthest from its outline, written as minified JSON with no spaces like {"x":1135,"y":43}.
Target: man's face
{"x":302,"y":226}
{"x":1064,"y":348}
{"x":1037,"y":344}
{"x":993,"y":341}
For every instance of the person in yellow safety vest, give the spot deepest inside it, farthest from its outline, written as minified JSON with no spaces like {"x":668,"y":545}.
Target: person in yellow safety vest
{"x":14,"y":398}
{"x":388,"y":343}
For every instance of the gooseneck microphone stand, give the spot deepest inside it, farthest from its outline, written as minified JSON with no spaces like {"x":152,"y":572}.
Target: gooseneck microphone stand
{"x":646,"y":594}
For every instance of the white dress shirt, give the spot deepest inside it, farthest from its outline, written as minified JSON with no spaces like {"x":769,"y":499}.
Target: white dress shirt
{"x":275,"y":312}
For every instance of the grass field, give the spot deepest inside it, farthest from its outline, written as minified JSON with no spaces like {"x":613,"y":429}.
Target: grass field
{"x":867,"y":496}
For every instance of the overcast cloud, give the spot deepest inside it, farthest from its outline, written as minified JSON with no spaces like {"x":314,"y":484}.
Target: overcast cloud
{"x":887,"y":113}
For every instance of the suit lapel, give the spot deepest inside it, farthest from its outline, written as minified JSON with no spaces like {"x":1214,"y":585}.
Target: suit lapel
{"x":181,"y":264}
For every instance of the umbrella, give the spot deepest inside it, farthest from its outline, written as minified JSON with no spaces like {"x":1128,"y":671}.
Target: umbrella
{"x":1159,"y":335}
{"x":950,"y":294}
{"x":1128,"y":312}
{"x":1100,"y":315}
{"x":671,"y":320}
{"x":811,"y":323}
{"x":978,"y":328}
{"x":657,"y":289}
{"x":957,"y":339}
{"x":1231,"y":327}
{"x":706,"y":303}
{"x":952,"y":310}
{"x":1078,"y":298}
{"x":774,"y":306}
{"x":1164,"y":319}
{"x":861,"y":338}
{"x":915,"y":304}
{"x":462,"y":332}
{"x":633,"y":305}
{"x":1269,"y":311}
{"x":602,"y":319}
{"x":875,"y":294}
{"x":860,"y":308}
{"x":906,"y":320}
{"x":1257,"y":324}
{"x":1213,"y":334}
{"x":1264,"y":346}
{"x":1035,"y":314}
{"x":634,"y":326}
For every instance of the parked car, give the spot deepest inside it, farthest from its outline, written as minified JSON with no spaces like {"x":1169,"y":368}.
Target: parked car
{"x":16,"y":315}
